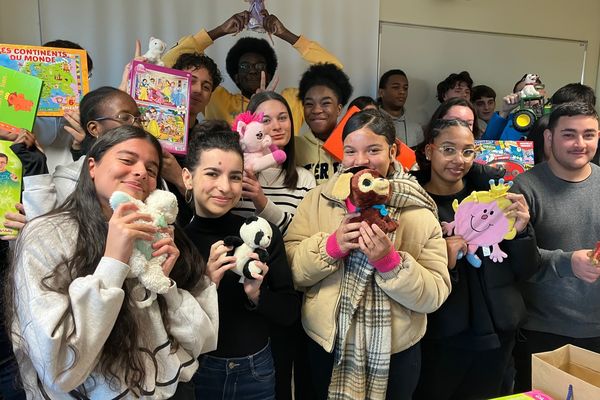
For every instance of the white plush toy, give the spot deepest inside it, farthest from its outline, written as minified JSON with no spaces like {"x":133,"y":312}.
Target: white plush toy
{"x":255,"y":237}
{"x":529,"y":88}
{"x":162,"y":207}
{"x":155,"y":49}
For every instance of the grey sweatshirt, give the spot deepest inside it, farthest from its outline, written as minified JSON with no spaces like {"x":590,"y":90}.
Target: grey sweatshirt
{"x":566,"y":217}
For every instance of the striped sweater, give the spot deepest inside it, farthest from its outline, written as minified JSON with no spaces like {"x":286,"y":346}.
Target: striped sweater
{"x":282,"y":202}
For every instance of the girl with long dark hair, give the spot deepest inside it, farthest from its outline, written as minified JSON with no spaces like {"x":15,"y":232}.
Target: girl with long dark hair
{"x":78,"y":325}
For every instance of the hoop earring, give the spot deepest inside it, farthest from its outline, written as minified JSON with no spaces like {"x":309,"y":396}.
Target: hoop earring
{"x":188,"y":196}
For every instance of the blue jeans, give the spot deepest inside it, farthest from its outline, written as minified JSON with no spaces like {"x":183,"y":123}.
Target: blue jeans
{"x":243,"y":378}
{"x":9,"y":371}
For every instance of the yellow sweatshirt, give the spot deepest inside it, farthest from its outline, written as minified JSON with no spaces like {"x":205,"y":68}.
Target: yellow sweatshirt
{"x":310,"y":155}
{"x":226,"y":105}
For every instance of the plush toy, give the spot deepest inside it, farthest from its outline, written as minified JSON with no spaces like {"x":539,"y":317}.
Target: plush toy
{"x":259,"y":151}
{"x":162,"y":207}
{"x":255,"y":237}
{"x":155,"y":49}
{"x":529,"y":89}
{"x":368,"y":191}
{"x":481,"y":221}
{"x":595,"y":256}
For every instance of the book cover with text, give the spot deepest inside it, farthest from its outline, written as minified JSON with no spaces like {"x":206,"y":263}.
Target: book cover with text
{"x":11,"y":177}
{"x":63,"y":71}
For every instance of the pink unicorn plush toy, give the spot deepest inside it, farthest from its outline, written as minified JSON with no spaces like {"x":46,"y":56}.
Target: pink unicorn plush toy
{"x":259,"y":151}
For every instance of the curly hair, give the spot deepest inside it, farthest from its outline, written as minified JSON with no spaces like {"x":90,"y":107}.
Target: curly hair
{"x":250,"y":45}
{"x":451,"y":81}
{"x":328,"y":75}
{"x":196,"y":61}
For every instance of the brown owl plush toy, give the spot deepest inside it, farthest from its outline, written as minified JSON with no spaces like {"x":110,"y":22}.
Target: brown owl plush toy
{"x":368,"y":191}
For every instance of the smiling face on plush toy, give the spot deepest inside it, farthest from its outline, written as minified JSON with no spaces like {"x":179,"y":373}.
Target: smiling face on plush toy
{"x":480,"y":217}
{"x":486,"y":223}
{"x":368,"y":188}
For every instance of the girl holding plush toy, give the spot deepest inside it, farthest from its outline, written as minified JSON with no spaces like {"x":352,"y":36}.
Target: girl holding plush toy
{"x":467,"y":349}
{"x":367,"y":292}
{"x":274,"y":194}
{"x":242,"y":364}
{"x":77,"y":325}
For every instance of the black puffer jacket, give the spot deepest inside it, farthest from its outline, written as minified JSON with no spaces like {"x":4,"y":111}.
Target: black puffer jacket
{"x":485,"y":304}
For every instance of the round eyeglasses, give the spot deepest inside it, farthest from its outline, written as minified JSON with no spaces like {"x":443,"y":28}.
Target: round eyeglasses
{"x":450,"y":152}
{"x":124,"y":118}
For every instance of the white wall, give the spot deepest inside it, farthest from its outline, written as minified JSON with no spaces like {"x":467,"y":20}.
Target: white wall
{"x":575,"y":20}
{"x":348,"y":28}
{"x":108,"y":29}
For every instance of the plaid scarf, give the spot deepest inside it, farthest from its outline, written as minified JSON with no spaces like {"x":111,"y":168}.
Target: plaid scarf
{"x":363,"y":344}
{"x":364,"y":335}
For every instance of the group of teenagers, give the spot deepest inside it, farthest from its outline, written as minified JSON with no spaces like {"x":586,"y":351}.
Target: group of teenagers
{"x":341,"y":310}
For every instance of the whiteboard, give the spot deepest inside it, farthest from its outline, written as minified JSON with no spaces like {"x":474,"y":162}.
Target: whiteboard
{"x":429,"y":54}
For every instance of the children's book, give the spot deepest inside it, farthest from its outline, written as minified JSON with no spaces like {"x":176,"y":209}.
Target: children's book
{"x":163,"y":97}
{"x":64,"y":72}
{"x":19,"y":98}
{"x":11,"y":176}
{"x":335,"y":146}
{"x":515,"y":157}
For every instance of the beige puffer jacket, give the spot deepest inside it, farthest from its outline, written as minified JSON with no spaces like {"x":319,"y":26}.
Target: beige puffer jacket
{"x":418,"y":286}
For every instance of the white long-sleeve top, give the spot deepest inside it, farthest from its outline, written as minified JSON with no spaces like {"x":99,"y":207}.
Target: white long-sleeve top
{"x":41,"y":339}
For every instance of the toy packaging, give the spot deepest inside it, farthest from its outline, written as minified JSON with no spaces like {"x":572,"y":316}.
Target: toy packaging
{"x":480,"y":220}
{"x":256,"y":18}
{"x":515,"y":157}
{"x":19,"y":99}
{"x":163,"y":97}
{"x":63,"y":71}
{"x":534,"y":394}
{"x":11,"y":177}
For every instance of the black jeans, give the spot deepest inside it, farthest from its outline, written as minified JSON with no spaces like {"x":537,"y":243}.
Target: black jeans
{"x":530,"y":342}
{"x":402,"y":379}
{"x":453,"y":373}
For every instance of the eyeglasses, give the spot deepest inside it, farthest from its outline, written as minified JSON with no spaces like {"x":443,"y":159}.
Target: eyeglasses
{"x":449,"y":152}
{"x":124,"y":118}
{"x":246,"y":66}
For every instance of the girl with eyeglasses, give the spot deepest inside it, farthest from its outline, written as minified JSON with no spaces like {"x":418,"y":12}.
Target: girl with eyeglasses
{"x":466,"y":352}
{"x":99,"y":110}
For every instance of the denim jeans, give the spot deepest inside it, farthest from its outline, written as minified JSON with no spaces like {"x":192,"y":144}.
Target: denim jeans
{"x":9,"y":371}
{"x":243,"y":378}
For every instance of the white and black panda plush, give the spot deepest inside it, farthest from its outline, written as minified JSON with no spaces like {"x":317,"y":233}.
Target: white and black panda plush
{"x":255,"y":237}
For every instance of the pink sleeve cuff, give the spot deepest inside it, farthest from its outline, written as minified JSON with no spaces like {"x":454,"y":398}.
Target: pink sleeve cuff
{"x":333,"y":248}
{"x":387,"y":262}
